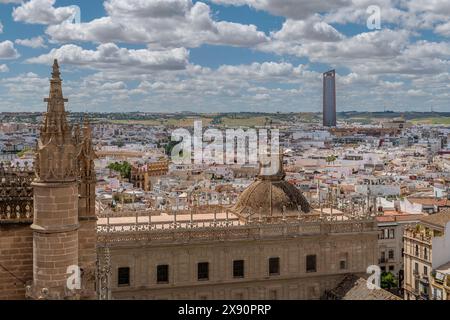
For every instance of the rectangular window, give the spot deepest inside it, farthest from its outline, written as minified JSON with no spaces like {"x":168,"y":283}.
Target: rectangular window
{"x":391,"y":254}
{"x":425,"y":270}
{"x":123,"y":277}
{"x":274,"y":266}
{"x":311,"y":263}
{"x":416,"y":268}
{"x":203,"y":271}
{"x":162,"y":273}
{"x":238,"y":268}
{"x":391,"y":233}
{"x":386,"y":233}
{"x":343,"y":258}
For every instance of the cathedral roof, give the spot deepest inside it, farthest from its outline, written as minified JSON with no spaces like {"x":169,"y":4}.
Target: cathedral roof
{"x":270,"y":196}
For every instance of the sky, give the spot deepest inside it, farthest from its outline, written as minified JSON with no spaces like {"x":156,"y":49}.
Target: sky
{"x":226,"y":55}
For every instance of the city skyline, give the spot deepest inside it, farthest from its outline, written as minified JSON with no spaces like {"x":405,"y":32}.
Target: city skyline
{"x":104,"y":210}
{"x":226,"y":55}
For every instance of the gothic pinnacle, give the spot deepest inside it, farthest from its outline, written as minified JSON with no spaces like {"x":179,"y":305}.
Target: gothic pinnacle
{"x":55,"y":73}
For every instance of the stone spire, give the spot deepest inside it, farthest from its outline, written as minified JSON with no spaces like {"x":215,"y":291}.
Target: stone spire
{"x":56,"y":195}
{"x":56,"y":114}
{"x":56,"y":150}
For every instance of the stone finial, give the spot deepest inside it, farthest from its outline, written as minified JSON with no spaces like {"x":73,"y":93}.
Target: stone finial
{"x":56,"y":75}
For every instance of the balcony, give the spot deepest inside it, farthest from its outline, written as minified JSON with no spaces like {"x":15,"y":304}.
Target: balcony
{"x":424,"y":296}
{"x":424,"y":279}
{"x":418,"y":236}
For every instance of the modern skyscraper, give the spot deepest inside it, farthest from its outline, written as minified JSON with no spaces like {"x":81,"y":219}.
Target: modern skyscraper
{"x":329,"y":99}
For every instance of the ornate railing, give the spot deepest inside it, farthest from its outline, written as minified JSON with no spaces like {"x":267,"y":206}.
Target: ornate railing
{"x":16,"y":192}
{"x":223,"y":230}
{"x":154,"y":212}
{"x":417,"y":235}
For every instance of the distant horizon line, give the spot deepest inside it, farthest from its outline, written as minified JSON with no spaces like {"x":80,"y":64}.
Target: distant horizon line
{"x":221,"y":113}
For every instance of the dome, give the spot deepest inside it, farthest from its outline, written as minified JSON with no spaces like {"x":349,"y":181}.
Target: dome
{"x":269,"y":196}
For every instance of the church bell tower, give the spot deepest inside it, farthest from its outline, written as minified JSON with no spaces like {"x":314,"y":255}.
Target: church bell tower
{"x":56,"y":221}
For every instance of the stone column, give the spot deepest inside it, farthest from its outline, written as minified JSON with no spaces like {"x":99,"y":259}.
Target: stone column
{"x":55,"y":238}
{"x":87,"y":238}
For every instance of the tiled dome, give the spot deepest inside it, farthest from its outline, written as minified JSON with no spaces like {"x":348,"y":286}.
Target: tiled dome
{"x":269,"y":196}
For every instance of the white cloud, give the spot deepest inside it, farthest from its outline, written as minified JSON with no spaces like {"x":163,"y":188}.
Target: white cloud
{"x":4,"y":68}
{"x":294,"y":9}
{"x":25,"y":87}
{"x":300,"y":31}
{"x":443,"y":29}
{"x":42,"y":12}
{"x":113,"y":86}
{"x":361,"y":48}
{"x":435,"y":6}
{"x":36,"y":42}
{"x":356,"y":12}
{"x":7,"y":50}
{"x":1,"y":27}
{"x":159,"y":23}
{"x":110,"y":57}
{"x":416,"y":92}
{"x":386,"y":65}
{"x":261,"y":71}
{"x":419,"y":59}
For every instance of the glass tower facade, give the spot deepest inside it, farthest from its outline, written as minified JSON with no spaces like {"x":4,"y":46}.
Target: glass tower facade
{"x":329,"y":98}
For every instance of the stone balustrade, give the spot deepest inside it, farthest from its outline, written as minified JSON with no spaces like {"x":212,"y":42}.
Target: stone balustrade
{"x":117,"y":234}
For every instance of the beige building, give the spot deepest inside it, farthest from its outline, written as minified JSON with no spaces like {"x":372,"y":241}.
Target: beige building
{"x":144,"y":176}
{"x":426,"y":247}
{"x":270,"y":245}
{"x":391,"y":226}
{"x":440,"y":282}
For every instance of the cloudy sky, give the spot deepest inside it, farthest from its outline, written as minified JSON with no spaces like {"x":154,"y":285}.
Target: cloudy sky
{"x":225,"y":55}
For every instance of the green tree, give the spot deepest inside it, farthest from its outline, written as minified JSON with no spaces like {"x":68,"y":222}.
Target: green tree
{"x":331,"y":158}
{"x":388,"y":280}
{"x":124,"y":168}
{"x":20,"y":154}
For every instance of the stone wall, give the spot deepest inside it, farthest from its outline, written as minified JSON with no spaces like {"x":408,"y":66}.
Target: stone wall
{"x":294,"y":282}
{"x":16,"y":255}
{"x":55,"y":234}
